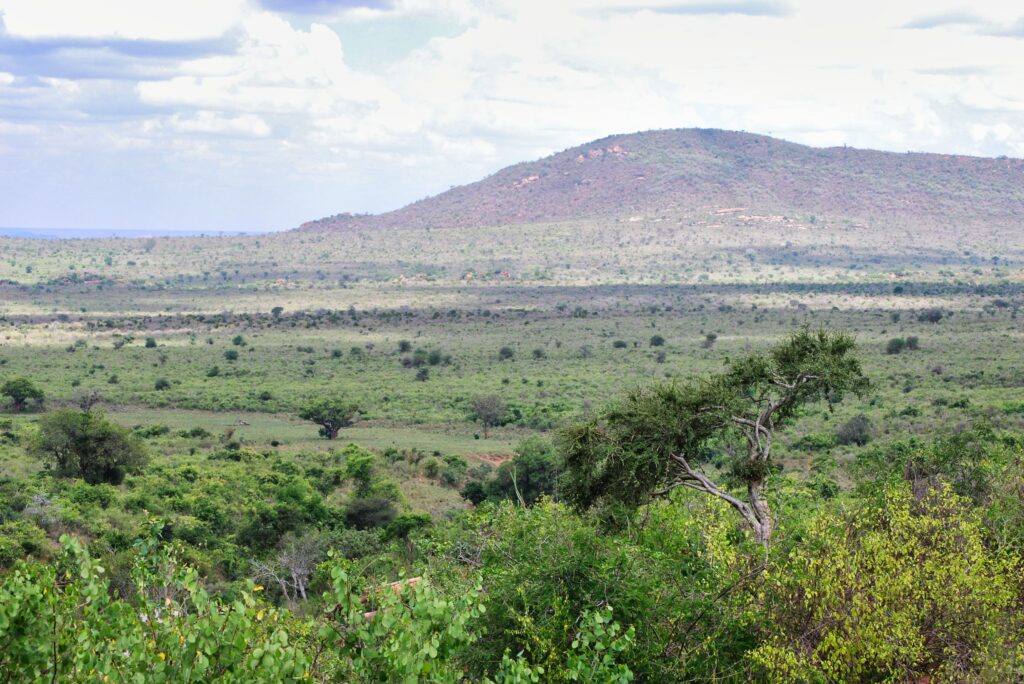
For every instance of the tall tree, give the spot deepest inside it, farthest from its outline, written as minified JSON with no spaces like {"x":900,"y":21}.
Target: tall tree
{"x":658,"y":438}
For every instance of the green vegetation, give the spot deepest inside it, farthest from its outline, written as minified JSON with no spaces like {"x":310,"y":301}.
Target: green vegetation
{"x":522,"y":437}
{"x":330,"y":414}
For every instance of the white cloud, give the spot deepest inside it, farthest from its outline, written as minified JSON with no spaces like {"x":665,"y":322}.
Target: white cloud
{"x":276,"y":69}
{"x":121,"y":19}
{"x":212,"y":122}
{"x":514,"y":79}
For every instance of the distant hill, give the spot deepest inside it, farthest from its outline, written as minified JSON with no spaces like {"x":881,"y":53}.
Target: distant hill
{"x":701,"y":170}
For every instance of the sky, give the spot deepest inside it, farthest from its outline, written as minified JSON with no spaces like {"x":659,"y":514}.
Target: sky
{"x":258,"y":115}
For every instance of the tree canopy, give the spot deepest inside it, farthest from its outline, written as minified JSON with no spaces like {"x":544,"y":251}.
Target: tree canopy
{"x":657,"y":438}
{"x":21,"y":391}
{"x":331,"y":414}
{"x":87,"y":445}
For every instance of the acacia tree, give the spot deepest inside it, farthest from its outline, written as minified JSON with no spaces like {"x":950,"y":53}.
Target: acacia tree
{"x":657,"y":439}
{"x":330,"y":414}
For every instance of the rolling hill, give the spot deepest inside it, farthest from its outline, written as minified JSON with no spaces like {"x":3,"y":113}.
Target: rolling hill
{"x":700,"y":170}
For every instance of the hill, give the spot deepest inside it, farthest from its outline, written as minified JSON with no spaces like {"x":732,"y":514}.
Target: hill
{"x":699,"y":170}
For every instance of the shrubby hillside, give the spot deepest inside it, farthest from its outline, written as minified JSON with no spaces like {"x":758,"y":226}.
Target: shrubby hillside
{"x":655,"y":173}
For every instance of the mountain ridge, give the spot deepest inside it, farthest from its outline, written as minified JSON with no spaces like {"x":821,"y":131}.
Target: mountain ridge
{"x":700,"y":170}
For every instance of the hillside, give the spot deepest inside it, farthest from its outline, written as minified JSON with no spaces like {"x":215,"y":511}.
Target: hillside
{"x":694,"y":170}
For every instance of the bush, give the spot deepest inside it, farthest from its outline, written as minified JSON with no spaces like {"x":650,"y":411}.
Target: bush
{"x":18,"y":539}
{"x":895,"y":345}
{"x":162,"y":384}
{"x":858,"y":430}
{"x":231,"y":355}
{"x":87,"y":445}
{"x":657,"y":341}
{"x":533,"y":471}
{"x":902,"y":591}
{"x":506,"y":354}
{"x":150,"y":342}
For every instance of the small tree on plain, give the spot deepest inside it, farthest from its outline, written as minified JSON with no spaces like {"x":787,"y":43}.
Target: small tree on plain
{"x":489,"y":409}
{"x":331,"y":415}
{"x":85,"y":444}
{"x":21,"y":391}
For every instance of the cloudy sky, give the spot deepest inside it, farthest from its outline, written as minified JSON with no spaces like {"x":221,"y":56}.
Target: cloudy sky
{"x":260,"y":114}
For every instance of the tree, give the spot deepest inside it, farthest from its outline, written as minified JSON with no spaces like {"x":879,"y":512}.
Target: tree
{"x":85,"y":444}
{"x":489,"y":409}
{"x":21,"y":391}
{"x":655,"y":439}
{"x":330,"y":414}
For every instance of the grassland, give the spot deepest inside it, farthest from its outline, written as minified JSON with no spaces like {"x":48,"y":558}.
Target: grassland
{"x":76,"y":316}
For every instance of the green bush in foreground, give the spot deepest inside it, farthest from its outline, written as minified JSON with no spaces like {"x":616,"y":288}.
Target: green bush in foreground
{"x":902,"y":590}
{"x":60,"y":622}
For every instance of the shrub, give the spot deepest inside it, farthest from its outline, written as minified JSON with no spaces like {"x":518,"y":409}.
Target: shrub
{"x":619,"y":344}
{"x":87,"y":445}
{"x":902,"y":591}
{"x":857,"y":430}
{"x":18,"y":539}
{"x":506,"y":354}
{"x":231,"y":355}
{"x":895,"y":345}
{"x":150,"y":342}
{"x":657,"y":341}
{"x":162,"y":384}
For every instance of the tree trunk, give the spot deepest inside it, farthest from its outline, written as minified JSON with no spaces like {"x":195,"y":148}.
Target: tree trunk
{"x":762,"y":512}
